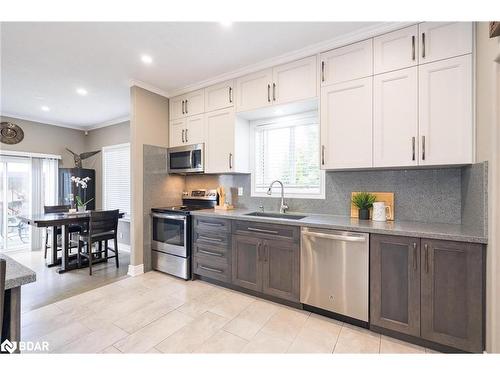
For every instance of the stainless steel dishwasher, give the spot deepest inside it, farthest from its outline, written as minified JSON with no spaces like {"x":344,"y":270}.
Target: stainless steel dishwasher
{"x":334,"y":271}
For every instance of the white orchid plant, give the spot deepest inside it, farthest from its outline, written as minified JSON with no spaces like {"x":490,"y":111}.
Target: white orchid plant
{"x":81,"y":183}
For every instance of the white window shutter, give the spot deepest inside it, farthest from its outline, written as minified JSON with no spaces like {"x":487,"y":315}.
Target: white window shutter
{"x":116,"y":178}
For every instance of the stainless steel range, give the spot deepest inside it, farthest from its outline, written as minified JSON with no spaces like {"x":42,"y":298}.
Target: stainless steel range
{"x":171,"y":233}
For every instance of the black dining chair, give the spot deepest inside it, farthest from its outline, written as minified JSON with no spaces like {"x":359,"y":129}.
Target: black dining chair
{"x":102,"y":227}
{"x":3,"y":266}
{"x":57,"y":210}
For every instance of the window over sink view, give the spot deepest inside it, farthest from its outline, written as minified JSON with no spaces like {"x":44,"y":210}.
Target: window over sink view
{"x":267,"y":178}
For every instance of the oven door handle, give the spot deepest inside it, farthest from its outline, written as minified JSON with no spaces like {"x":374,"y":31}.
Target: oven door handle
{"x":166,"y":216}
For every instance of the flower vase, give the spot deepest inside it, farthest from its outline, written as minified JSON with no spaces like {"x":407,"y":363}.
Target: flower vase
{"x":82,"y":208}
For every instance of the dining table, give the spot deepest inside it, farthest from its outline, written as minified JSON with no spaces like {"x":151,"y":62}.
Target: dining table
{"x":16,"y":276}
{"x":66,"y":261}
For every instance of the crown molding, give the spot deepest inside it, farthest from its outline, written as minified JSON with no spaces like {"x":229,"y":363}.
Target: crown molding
{"x":107,"y":123}
{"x":68,"y":126}
{"x":313,"y":49}
{"x":149,"y":87}
{"x":43,"y":122}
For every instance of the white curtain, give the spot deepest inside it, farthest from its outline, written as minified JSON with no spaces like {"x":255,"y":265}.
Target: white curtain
{"x":43,"y":193}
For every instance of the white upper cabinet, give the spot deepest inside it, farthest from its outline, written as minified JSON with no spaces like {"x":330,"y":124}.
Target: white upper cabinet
{"x":445,"y":112}
{"x":395,"y":50}
{"x":346,"y":124}
{"x":176,"y":132}
{"x":395,"y":125}
{"x":347,"y":63}
{"x":295,"y":81}
{"x":195,"y":130}
{"x":442,"y":40}
{"x":254,"y":90}
{"x":226,"y":146}
{"x":219,"y":96}
{"x":187,"y":131}
{"x":189,"y":104}
{"x":176,"y":107}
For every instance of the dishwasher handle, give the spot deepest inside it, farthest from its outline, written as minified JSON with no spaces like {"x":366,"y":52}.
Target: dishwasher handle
{"x":338,"y":237}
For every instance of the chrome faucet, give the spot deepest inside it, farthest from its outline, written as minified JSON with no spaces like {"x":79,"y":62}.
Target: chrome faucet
{"x":283,"y":206}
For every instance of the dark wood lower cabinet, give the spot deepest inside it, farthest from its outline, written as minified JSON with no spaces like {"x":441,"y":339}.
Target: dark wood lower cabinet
{"x":281,"y":269}
{"x":430,"y":289}
{"x":452,"y":294}
{"x":395,"y":283}
{"x":247,"y":264}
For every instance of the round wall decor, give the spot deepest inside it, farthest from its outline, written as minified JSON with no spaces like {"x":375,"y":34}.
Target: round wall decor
{"x":10,"y":133}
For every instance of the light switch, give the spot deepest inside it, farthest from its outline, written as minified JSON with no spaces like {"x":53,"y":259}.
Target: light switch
{"x":240,"y":191}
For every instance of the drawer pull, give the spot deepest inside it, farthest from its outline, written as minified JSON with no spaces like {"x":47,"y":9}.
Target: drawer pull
{"x":211,"y":269}
{"x":262,"y":230}
{"x":210,"y":253}
{"x":211,"y":224}
{"x":210,"y":239}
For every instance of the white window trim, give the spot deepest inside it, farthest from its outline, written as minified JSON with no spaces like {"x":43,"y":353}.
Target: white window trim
{"x":253,"y":125}
{"x":127,"y":217}
{"x":29,"y":154}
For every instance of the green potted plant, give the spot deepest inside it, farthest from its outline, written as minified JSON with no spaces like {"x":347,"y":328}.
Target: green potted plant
{"x":81,"y":184}
{"x":363,"y":201}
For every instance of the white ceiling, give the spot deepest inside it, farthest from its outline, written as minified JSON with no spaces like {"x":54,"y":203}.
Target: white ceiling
{"x":44,"y":63}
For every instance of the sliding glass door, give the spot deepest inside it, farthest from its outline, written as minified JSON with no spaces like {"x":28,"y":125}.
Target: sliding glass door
{"x":15,"y":200}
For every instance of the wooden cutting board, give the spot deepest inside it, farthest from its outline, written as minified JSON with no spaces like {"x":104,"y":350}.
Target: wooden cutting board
{"x":387,"y":198}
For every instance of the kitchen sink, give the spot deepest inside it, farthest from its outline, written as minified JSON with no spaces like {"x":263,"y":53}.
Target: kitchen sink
{"x":276,"y":215}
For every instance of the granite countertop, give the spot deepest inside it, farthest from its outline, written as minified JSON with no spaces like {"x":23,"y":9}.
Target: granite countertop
{"x":453,"y":232}
{"x":17,"y":274}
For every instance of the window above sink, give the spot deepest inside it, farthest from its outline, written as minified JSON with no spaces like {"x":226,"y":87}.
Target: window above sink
{"x":286,"y":148}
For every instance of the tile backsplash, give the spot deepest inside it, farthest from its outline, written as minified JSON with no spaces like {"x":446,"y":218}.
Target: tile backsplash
{"x":439,"y":195}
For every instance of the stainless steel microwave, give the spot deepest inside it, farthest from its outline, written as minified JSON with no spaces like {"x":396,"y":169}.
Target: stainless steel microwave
{"x":186,"y":159}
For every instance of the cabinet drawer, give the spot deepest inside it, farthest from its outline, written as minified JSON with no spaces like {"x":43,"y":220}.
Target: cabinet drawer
{"x":266,"y":230}
{"x":218,"y":253}
{"x":206,"y":266}
{"x":211,"y":224}
{"x":211,"y":238}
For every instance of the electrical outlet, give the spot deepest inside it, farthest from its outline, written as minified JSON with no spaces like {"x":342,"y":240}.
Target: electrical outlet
{"x":240,"y":191}
{"x":121,"y":235}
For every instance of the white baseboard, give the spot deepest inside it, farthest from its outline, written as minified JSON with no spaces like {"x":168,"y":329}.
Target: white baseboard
{"x":135,"y":270}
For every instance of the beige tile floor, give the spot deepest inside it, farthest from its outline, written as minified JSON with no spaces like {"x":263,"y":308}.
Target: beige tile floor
{"x":156,"y":313}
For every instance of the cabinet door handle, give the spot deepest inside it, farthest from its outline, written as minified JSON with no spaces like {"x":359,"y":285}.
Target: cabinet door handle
{"x":183,"y":135}
{"x":259,"y":254}
{"x":210,"y":253}
{"x":426,"y":247}
{"x":274,"y":92}
{"x":322,"y":71}
{"x":413,"y":47}
{"x":230,"y":94}
{"x":413,"y":148}
{"x":266,"y":253}
{"x":230,"y":161}
{"x":269,"y":93}
{"x":415,"y":259}
{"x":183,"y":112}
{"x":423,"y":45}
{"x":211,"y":269}
{"x":251,"y":229}
{"x":186,"y":135}
{"x":322,"y":155}
{"x":186,"y":106}
{"x":423,"y":147}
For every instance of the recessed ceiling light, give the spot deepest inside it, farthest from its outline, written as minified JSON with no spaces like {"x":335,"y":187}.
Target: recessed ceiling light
{"x":81,"y":91}
{"x":226,"y":24}
{"x":146,"y":59}
{"x":45,"y":108}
